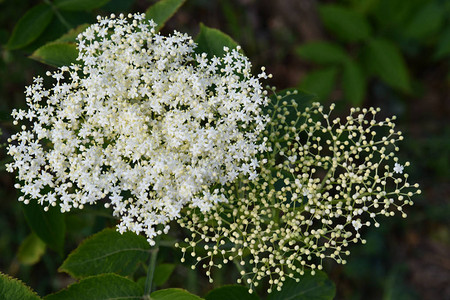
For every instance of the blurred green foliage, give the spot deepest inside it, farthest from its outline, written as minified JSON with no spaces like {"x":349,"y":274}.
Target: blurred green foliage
{"x":369,"y":41}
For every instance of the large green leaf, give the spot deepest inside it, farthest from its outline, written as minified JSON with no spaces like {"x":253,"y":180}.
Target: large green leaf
{"x":30,"y":26}
{"x":31,"y":250}
{"x":427,"y":21}
{"x":231,"y":292}
{"x":79,"y":4}
{"x":57,"y":28}
{"x":344,"y":23}
{"x":385,"y":60}
{"x":320,"y":82}
{"x":56,"y":54}
{"x":322,"y":52}
{"x":310,"y":287}
{"x":212,"y":41}
{"x":161,"y":11}
{"x":107,"y":252}
{"x":101,"y":287}
{"x":162,"y":273}
{"x":13,"y":289}
{"x":173,"y":294}
{"x":49,"y":226}
{"x":353,"y":83}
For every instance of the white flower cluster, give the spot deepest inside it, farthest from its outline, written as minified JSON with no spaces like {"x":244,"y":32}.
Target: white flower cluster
{"x":142,"y":123}
{"x":322,"y":182}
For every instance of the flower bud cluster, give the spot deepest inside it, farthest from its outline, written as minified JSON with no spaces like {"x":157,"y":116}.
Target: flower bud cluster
{"x":323,"y":181}
{"x":142,"y":123}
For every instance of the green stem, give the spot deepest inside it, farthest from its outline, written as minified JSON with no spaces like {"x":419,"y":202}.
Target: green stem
{"x":151,"y":268}
{"x":58,"y":15}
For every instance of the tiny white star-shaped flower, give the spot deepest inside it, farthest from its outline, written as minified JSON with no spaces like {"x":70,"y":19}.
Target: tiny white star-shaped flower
{"x":398,"y":168}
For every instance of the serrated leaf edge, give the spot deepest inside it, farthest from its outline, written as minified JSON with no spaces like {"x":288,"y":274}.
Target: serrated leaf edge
{"x":21,"y":282}
{"x":76,"y":250}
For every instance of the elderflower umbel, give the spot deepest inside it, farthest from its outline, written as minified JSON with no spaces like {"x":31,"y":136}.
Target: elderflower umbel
{"x":143,"y":122}
{"x":323,"y":181}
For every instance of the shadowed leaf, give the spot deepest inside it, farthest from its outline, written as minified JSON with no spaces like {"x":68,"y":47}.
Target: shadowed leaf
{"x":49,"y":226}
{"x":100,"y":287}
{"x":30,"y":26}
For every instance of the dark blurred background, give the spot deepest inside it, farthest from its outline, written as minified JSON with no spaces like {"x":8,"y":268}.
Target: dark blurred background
{"x":393,"y":54}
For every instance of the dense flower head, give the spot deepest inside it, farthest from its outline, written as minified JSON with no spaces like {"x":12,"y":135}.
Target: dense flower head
{"x":142,"y":123}
{"x":323,"y":180}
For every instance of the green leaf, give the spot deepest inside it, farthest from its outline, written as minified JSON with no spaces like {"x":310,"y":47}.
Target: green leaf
{"x":231,"y":292}
{"x":323,"y":53}
{"x":212,"y":41}
{"x":79,"y":4}
{"x":162,"y":11}
{"x":427,"y":21}
{"x":49,"y":226}
{"x":31,"y":250}
{"x":443,"y":47}
{"x":71,"y":35}
{"x":56,"y":54}
{"x":56,"y":28}
{"x":320,"y":82}
{"x":100,"y":287}
{"x":173,"y":294}
{"x":310,"y":287}
{"x":385,"y":60}
{"x":30,"y":26}
{"x":107,"y":252}
{"x":53,"y":31}
{"x":162,"y":273}
{"x":13,"y":289}
{"x":344,"y":23}
{"x":353,"y":83}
